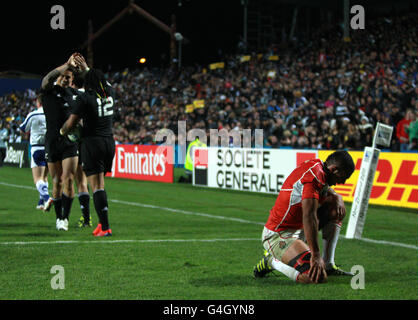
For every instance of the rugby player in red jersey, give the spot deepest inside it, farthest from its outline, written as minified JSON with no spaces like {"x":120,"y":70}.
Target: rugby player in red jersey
{"x":305,"y":205}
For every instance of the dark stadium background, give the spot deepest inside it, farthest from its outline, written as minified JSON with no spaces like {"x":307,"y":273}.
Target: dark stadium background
{"x":30,"y":45}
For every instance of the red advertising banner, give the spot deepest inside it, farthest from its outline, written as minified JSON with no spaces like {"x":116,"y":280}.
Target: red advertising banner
{"x":143,"y":162}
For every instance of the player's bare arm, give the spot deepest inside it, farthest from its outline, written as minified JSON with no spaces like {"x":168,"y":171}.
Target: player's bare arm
{"x":69,"y":124}
{"x":317,"y":271}
{"x":51,"y":77}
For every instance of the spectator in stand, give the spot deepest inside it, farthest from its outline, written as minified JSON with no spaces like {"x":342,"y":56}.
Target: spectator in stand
{"x":402,"y":127}
{"x":412,"y":131}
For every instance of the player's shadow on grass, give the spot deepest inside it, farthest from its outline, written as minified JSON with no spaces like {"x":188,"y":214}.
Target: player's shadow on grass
{"x":31,"y":230}
{"x":32,"y":235}
{"x":241,"y":280}
{"x":9,"y":226}
{"x":271,"y":280}
{"x":26,"y":225}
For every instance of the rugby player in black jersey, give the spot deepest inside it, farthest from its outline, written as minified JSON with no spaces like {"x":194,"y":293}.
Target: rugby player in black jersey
{"x":95,"y":107}
{"x":61,"y":153}
{"x":80,"y":177}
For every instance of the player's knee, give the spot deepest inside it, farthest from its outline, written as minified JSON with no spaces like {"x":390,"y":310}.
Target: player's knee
{"x":333,"y":216}
{"x":68,"y":176}
{"x":69,"y":181}
{"x":68,"y":185}
{"x":56,"y":180}
{"x":82,"y":187}
{"x":327,"y":212}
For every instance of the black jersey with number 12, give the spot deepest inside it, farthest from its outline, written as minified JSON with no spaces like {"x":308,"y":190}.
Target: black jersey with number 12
{"x":96,"y":112}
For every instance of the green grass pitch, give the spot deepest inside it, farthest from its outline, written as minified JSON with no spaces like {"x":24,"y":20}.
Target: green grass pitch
{"x":179,"y":242}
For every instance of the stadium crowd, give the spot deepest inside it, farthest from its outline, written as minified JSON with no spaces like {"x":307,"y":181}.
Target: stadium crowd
{"x":322,"y":93}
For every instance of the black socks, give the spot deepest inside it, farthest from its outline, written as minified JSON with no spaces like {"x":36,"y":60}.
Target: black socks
{"x":58,"y":208}
{"x":100,"y":204}
{"x":84,"y":199}
{"x":66,"y":206}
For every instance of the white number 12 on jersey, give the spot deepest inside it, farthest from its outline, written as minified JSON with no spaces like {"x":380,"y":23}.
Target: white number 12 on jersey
{"x":105,"y":109}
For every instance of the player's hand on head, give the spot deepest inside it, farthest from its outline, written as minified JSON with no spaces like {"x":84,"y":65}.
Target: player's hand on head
{"x":80,"y":62}
{"x":71,"y":61}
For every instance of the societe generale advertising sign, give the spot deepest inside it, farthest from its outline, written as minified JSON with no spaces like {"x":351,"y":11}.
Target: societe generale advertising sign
{"x":264,"y":170}
{"x":246,"y":169}
{"x":143,"y":162}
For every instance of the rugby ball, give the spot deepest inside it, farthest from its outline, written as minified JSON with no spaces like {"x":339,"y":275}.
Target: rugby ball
{"x":75,"y":134}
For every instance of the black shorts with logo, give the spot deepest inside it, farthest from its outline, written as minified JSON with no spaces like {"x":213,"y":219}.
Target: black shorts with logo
{"x":59,"y":149}
{"x":97,"y":154}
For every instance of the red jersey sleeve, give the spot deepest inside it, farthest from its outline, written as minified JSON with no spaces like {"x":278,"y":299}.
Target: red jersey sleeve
{"x":313,"y":182}
{"x":310,"y":191}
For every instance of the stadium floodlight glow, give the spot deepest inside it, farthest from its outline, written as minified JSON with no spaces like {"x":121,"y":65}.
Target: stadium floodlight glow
{"x":142,"y":60}
{"x":178,"y":36}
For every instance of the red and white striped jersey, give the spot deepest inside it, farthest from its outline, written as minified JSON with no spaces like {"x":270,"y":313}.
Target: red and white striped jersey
{"x":305,"y":182}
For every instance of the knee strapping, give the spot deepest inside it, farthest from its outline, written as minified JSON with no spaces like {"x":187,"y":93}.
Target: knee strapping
{"x":301,"y":262}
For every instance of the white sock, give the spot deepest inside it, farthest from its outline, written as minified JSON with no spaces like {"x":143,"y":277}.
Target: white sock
{"x":330,"y":234}
{"x":42,"y":189}
{"x":285,"y":269}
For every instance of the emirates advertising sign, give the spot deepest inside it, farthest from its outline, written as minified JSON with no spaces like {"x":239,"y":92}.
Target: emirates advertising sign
{"x":143,"y":162}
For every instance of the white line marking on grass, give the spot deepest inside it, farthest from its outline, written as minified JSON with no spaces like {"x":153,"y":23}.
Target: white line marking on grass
{"x":409,"y":246}
{"x":137,"y":204}
{"x":17,"y":186}
{"x":122,"y":241}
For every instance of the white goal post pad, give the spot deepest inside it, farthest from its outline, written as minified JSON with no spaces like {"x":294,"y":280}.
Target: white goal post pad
{"x":382,"y":136}
{"x":362,"y":193}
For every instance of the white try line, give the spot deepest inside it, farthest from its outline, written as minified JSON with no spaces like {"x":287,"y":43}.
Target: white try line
{"x":121,"y":241}
{"x":137,"y":204}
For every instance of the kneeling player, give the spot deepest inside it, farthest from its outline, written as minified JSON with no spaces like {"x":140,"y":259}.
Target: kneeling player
{"x":304,"y":206}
